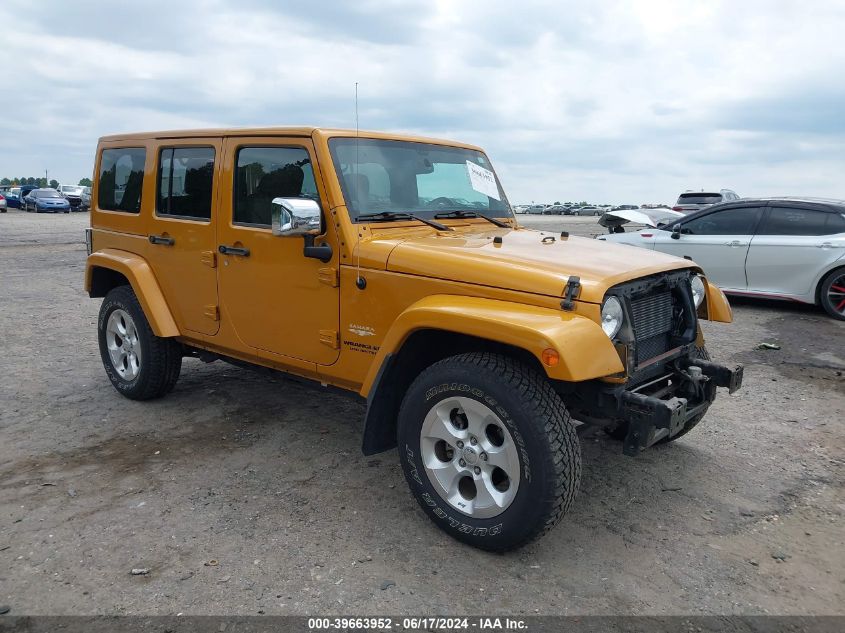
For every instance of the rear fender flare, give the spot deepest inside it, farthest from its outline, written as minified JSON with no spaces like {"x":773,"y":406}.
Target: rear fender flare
{"x":140,"y":276}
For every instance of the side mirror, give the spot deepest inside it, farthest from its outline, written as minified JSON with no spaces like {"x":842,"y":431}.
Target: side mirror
{"x":294,"y":217}
{"x":299,"y":217}
{"x":676,"y":232}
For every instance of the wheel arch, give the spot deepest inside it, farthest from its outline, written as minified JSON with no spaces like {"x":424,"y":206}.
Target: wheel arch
{"x":440,"y":326}
{"x":838,"y":265}
{"x":110,"y":268}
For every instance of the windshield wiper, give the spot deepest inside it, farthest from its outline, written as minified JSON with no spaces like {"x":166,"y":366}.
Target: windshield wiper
{"x":460,"y":215}
{"x":402,"y":215}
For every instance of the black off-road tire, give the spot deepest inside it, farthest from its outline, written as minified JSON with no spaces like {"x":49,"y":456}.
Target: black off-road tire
{"x":161,"y":358}
{"x":547,"y":446}
{"x":621,"y":430}
{"x":825,"y":298}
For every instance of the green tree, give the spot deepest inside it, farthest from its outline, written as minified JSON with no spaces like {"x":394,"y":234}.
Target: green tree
{"x":54,"y":183}
{"x":85,"y":182}
{"x":5,"y":181}
{"x":41,"y":182}
{"x":30,"y":181}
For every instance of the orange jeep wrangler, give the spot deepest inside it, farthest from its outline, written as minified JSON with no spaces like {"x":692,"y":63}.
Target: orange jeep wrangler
{"x":392,"y":267}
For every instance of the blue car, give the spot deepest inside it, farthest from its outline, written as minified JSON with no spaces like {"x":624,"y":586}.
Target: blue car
{"x":13,"y":198}
{"x":46,"y":201}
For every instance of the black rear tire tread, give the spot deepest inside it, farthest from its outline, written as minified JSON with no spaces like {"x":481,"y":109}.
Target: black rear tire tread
{"x":162,"y":357}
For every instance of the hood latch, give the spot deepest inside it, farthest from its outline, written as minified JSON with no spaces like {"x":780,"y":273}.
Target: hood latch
{"x":570,"y":293}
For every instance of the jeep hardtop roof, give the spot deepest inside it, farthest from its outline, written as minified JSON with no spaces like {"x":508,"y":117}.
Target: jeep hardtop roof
{"x":305,"y":131}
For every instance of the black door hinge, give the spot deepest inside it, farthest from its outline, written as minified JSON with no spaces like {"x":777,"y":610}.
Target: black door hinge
{"x":570,"y":293}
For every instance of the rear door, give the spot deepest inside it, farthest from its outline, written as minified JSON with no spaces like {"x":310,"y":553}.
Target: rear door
{"x":794,"y":243}
{"x":717,"y":241}
{"x":182,"y":240}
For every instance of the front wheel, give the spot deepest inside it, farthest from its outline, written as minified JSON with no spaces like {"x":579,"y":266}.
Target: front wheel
{"x":140,"y":365}
{"x":488,"y":450}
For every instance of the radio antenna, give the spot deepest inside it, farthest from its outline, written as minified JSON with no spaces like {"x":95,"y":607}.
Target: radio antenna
{"x":360,"y":282}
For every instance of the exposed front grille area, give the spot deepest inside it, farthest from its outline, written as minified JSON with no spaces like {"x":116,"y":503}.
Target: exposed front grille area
{"x":652,"y":321}
{"x":660,"y":316}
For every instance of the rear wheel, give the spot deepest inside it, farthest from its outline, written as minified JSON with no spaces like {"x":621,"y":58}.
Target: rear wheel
{"x":832,"y":294}
{"x":140,"y":365}
{"x":488,"y":450}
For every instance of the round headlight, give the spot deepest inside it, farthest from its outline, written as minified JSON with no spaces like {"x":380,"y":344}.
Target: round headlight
{"x":611,"y":316}
{"x":697,"y":290}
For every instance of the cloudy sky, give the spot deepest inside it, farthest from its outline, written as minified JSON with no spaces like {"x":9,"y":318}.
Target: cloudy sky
{"x":609,"y":101}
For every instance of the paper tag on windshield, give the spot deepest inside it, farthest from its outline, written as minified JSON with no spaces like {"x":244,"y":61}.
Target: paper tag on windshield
{"x":482,"y":180}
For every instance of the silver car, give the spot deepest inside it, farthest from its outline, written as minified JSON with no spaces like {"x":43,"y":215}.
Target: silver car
{"x":73,"y":194}
{"x":781,"y":248}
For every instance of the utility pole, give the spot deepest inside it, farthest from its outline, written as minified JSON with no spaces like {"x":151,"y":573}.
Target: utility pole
{"x":46,"y":178}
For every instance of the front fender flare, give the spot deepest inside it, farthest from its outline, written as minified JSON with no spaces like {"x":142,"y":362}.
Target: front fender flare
{"x":585,"y":351}
{"x":140,"y":276}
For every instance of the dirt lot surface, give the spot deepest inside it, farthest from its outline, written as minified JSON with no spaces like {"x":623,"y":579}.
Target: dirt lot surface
{"x":244,"y":493}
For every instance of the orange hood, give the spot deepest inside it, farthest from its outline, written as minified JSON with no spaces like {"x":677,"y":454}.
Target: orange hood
{"x":522,"y":262}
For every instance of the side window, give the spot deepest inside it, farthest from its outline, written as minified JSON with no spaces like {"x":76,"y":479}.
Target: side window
{"x":264,"y":173}
{"x":739,"y":221}
{"x":185,"y":177}
{"x":793,"y":221}
{"x":121,"y":179}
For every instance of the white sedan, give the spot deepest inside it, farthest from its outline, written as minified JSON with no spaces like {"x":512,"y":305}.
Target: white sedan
{"x":782,"y":248}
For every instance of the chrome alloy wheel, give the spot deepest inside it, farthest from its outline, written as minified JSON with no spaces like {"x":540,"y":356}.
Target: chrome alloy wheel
{"x":123,"y":344}
{"x":836,"y":294}
{"x":470,"y":457}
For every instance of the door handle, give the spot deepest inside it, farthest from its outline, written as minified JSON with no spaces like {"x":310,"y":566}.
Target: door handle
{"x":161,"y":239}
{"x":825,"y":245}
{"x":233,"y":250}
{"x":734,"y":243}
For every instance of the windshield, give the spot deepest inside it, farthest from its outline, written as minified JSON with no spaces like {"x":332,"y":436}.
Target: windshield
{"x":419,"y":178}
{"x":700,"y":198}
{"x":47,"y":194}
{"x":71,"y":189}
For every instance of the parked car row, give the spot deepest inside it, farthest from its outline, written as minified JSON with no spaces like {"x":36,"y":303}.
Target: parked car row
{"x":578,"y":209}
{"x":562,"y":209}
{"x":65,"y":199}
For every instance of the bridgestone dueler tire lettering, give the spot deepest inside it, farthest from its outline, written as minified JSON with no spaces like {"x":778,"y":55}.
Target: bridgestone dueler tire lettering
{"x":548,"y":447}
{"x":161,"y":357}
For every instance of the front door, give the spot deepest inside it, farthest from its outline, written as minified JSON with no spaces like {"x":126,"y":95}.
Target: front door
{"x":276,"y":299}
{"x":716,"y":241}
{"x":182,"y":239}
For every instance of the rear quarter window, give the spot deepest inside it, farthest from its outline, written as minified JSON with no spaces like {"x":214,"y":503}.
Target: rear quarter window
{"x":795,"y":221}
{"x":121,"y":179}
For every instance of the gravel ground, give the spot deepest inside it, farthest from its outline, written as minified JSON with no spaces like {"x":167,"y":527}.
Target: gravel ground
{"x":244,"y":493}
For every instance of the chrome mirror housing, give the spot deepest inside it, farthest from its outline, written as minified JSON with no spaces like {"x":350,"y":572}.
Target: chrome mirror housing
{"x":294,"y":217}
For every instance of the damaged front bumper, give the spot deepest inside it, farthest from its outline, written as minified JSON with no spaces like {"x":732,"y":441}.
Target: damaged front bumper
{"x":663,"y":406}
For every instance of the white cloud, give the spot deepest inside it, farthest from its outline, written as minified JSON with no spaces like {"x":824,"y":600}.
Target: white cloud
{"x":614,"y":101}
